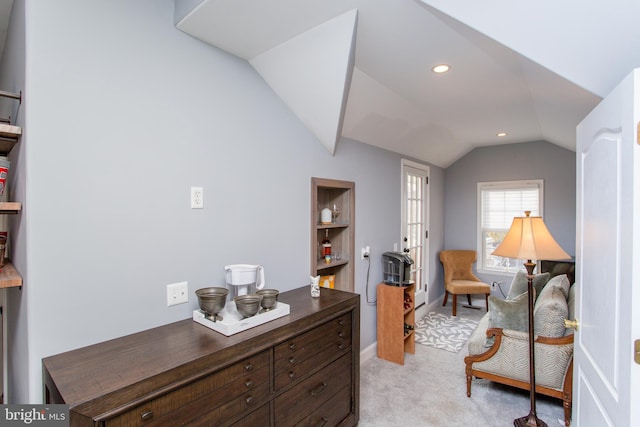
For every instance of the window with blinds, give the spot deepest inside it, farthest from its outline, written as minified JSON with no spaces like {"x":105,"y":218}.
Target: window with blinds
{"x":498,"y":203}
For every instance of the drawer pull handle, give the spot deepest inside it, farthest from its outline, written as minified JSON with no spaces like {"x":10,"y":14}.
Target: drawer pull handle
{"x":292,"y":375}
{"x":146,"y":416}
{"x":341,"y":334}
{"x":340,"y":322}
{"x":248,"y":366}
{"x":318,"y":390}
{"x":249,"y":400}
{"x":323,"y":421}
{"x":292,"y":346}
{"x":341,"y":346}
{"x":249,"y":383}
{"x":292,"y":359}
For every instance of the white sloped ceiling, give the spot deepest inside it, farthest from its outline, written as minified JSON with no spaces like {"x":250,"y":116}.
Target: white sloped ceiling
{"x":384,"y":93}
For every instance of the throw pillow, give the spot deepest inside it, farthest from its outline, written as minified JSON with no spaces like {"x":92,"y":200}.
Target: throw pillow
{"x":560,"y":282}
{"x":549,"y":314}
{"x":509,"y":313}
{"x":519,"y":283}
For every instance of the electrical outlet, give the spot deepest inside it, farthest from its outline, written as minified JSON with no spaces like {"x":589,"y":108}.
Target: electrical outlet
{"x":197,"y":198}
{"x":177,"y":293}
{"x":365,"y":252}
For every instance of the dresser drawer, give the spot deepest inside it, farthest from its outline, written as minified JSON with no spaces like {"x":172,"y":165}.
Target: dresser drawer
{"x":260,"y":417}
{"x":248,"y":379}
{"x":331,"y":412}
{"x":301,"y":355}
{"x":306,"y":397}
{"x":221,"y":415}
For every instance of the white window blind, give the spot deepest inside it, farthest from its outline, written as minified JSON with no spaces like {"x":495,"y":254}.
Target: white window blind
{"x":499,"y":203}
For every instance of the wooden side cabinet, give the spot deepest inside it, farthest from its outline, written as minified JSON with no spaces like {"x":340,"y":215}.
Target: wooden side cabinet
{"x":300,"y":369}
{"x":396,"y":322}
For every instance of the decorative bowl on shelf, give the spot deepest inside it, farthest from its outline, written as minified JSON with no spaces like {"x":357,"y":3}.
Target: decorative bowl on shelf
{"x":269,"y":298}
{"x":212,"y":301}
{"x":248,"y":305}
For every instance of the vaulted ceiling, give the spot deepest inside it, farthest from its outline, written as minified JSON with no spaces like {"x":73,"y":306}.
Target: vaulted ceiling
{"x":361,"y":69}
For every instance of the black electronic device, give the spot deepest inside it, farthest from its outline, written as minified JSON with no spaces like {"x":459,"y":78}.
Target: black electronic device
{"x":396,"y":267}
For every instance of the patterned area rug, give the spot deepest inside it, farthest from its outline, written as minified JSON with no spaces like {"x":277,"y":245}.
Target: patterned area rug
{"x":444,"y":332}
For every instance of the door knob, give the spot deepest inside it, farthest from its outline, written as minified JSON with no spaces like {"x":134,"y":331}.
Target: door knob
{"x":571,"y":324}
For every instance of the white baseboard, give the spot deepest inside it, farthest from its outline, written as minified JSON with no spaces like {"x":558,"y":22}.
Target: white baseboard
{"x":422,"y":311}
{"x":369,"y":352}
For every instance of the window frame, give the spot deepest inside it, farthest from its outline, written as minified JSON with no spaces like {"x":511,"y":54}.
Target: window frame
{"x":516,"y":184}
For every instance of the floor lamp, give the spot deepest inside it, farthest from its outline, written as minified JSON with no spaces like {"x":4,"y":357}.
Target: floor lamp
{"x":529,"y":239}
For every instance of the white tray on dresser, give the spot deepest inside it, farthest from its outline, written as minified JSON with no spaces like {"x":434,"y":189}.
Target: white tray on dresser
{"x":232,"y":322}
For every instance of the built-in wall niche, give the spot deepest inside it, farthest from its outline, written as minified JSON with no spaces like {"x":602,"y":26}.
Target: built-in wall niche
{"x":330,"y":194}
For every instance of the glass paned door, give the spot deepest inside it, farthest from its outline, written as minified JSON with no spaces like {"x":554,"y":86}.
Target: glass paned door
{"x":414,"y":222}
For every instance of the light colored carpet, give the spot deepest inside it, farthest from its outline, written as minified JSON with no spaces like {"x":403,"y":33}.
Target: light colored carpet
{"x":430,"y":390}
{"x":448,"y":333}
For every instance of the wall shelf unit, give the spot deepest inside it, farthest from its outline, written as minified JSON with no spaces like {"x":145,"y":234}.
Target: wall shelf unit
{"x":325,"y":193}
{"x":9,"y":137}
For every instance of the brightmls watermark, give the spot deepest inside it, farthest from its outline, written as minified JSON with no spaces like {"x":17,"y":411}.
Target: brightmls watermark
{"x":34,"y":415}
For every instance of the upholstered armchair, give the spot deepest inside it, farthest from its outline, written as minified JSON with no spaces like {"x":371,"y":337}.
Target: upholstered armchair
{"x":499,"y":347}
{"x":459,"y":278}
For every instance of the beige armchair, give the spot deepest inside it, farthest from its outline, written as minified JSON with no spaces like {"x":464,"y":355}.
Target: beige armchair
{"x":499,"y":352}
{"x":459,"y":278}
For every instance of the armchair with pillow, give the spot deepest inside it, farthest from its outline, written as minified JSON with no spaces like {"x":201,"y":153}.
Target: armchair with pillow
{"x":499,"y":347}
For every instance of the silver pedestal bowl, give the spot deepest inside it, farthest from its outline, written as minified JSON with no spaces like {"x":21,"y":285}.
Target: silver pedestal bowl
{"x":212,"y":301}
{"x":269,"y":298}
{"x":248,"y":305}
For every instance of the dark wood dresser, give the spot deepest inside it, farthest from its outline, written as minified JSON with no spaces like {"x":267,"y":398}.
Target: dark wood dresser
{"x":301,"y":369}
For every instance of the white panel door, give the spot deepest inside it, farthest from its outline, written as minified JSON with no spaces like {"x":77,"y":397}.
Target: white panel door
{"x":606,"y":378}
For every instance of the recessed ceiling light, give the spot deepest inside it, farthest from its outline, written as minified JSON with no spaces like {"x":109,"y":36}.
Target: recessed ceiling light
{"x":442,"y":68}
{"x":502,"y":134}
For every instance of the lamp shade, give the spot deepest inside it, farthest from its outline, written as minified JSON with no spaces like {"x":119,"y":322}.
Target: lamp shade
{"x":528,"y":238}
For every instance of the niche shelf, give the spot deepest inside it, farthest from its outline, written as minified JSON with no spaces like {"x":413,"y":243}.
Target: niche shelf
{"x":324,"y":194}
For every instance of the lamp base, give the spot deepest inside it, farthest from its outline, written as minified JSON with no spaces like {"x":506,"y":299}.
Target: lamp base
{"x":529,"y":421}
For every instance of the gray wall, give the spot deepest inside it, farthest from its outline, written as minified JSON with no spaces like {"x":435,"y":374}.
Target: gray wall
{"x":124,"y":113}
{"x":530,"y":160}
